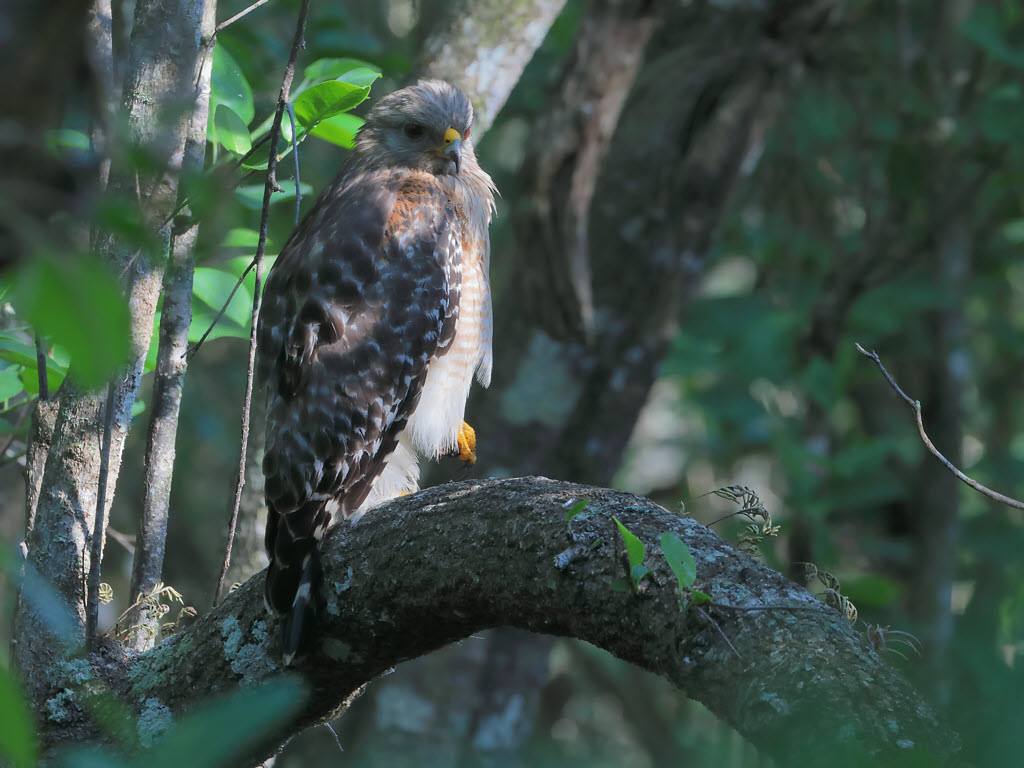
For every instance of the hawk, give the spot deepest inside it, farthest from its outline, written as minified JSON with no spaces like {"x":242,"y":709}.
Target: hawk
{"x":376,"y":316}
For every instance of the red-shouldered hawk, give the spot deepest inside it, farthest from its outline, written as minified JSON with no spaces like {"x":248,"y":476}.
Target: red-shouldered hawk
{"x":375,"y":318}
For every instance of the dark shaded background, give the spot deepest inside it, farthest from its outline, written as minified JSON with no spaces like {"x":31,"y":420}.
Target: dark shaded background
{"x":876,"y":196}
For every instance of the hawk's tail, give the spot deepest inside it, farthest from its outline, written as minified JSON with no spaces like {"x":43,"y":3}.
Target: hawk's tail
{"x":301,"y":617}
{"x":293,"y":581}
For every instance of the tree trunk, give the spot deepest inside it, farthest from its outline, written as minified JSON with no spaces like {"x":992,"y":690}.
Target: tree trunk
{"x":160,"y":77}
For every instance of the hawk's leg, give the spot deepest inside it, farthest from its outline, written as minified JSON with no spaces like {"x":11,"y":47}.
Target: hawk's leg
{"x":467,"y":444}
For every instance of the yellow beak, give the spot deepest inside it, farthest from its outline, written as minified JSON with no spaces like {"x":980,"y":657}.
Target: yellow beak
{"x":452,"y":147}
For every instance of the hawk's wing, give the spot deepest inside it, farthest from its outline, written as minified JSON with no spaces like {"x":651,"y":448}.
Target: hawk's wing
{"x":363,"y":295}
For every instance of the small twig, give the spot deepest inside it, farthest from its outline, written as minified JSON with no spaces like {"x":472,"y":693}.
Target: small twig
{"x":334,"y":733}
{"x":126,"y":541}
{"x":753,"y":608}
{"x":44,"y":387}
{"x":714,"y":623}
{"x":268,"y":189}
{"x":239,"y":15}
{"x":726,"y":517}
{"x":295,"y":154}
{"x":186,"y":201}
{"x":916,"y":407}
{"x":191,"y":351}
{"x":96,"y":550}
{"x":158,"y":591}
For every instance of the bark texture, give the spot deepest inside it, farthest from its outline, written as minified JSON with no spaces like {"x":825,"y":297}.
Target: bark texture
{"x":433,"y":568}
{"x":484,"y":47}
{"x":159,"y":82}
{"x":171,"y":363}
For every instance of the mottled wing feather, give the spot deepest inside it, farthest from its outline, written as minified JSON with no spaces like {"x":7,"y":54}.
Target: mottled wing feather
{"x":362,"y":297}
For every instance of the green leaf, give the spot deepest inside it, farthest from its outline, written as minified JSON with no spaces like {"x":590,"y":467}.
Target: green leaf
{"x":699,"y":598}
{"x":575,"y":509}
{"x":37,"y":592}
{"x":620,"y":585}
{"x":65,"y":138}
{"x":10,"y":383}
{"x":679,"y":559}
{"x":821,"y":382}
{"x":986,"y":29}
{"x":215,"y":726}
{"x":17,"y":736}
{"x":1013,"y":231}
{"x":638,"y":572}
{"x":154,"y":343}
{"x":340,"y":129}
{"x":331,"y":69}
{"x":634,"y":547}
{"x":225,"y":328}
{"x":241,"y":238}
{"x":232,"y":133}
{"x":872,"y":590}
{"x":228,"y":87}
{"x":76,"y":302}
{"x":30,"y":380}
{"x":14,"y":350}
{"x":213,"y":286}
{"x":361,"y":77}
{"x":326,"y":100}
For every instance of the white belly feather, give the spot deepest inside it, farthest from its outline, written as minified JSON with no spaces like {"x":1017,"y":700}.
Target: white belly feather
{"x":433,"y":428}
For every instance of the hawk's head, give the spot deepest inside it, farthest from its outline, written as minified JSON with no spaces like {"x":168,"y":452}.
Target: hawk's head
{"x":424,"y":127}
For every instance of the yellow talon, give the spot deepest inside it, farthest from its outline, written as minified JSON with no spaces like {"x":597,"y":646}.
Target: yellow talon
{"x":467,"y":444}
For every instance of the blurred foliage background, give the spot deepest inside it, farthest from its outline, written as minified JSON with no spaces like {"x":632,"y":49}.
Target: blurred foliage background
{"x":885,"y":206}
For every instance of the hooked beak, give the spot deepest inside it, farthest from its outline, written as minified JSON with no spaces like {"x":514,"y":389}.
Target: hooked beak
{"x":452,"y":148}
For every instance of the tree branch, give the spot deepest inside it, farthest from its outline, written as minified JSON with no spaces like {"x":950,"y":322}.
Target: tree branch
{"x":169,"y":375}
{"x":430,"y":569}
{"x":92,"y":597}
{"x":268,"y":189}
{"x":915,"y":406}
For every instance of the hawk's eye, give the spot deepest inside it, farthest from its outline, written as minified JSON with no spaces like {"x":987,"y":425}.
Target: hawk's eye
{"x":414,"y":131}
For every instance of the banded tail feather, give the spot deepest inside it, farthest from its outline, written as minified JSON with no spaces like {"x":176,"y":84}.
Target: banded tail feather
{"x":295,"y":576}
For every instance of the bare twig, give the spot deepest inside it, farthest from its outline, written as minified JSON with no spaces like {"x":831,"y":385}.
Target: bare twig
{"x":725,"y":637}
{"x":44,"y":387}
{"x":190,"y":352}
{"x":126,"y":541}
{"x":239,"y":15}
{"x":298,"y":202}
{"x":915,"y":405}
{"x":92,"y":604}
{"x":334,"y":733}
{"x":268,"y":189}
{"x":774,"y":607}
{"x":295,"y":154}
{"x":236,"y":164}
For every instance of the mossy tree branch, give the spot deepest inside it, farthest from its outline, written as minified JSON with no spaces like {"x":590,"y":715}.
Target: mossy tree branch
{"x":433,"y":568}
